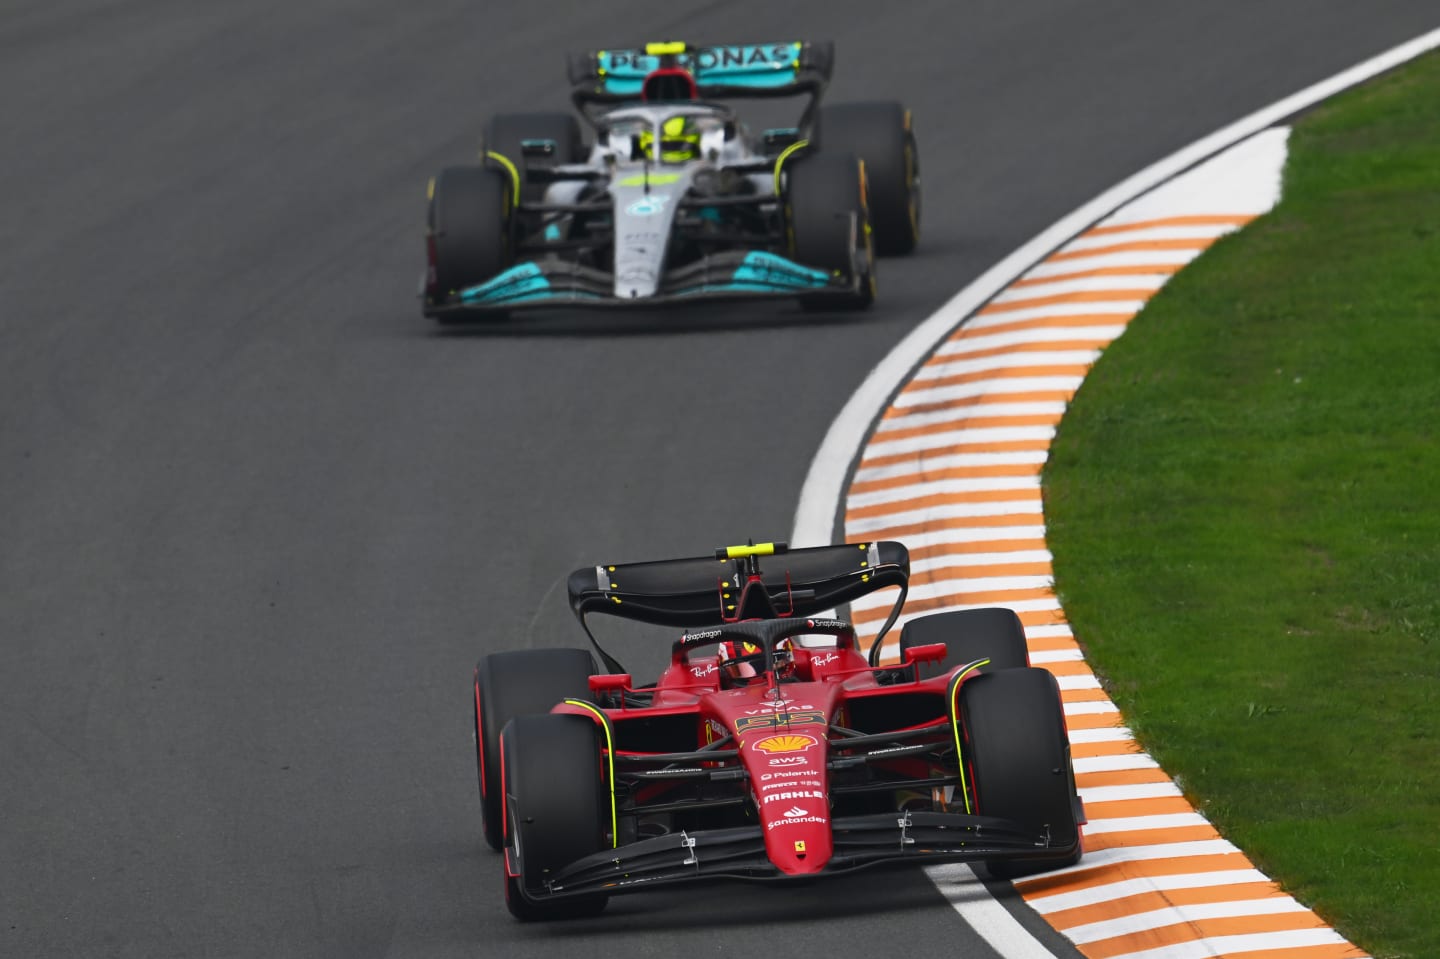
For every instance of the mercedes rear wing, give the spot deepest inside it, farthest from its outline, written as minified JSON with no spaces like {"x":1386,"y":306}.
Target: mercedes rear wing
{"x":780,"y":69}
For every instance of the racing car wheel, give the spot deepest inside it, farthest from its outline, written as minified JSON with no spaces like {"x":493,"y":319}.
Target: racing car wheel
{"x":883,"y":135}
{"x":469,"y":230}
{"x":533,"y":141}
{"x":1020,"y":758}
{"x":821,"y":192}
{"x":994,"y":633}
{"x":557,"y":810}
{"x":518,"y":683}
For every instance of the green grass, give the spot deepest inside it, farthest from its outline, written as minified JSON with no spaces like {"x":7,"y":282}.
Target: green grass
{"x":1244,"y":507}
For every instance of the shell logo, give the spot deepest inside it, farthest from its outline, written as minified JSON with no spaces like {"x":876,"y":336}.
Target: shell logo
{"x":793,"y":743}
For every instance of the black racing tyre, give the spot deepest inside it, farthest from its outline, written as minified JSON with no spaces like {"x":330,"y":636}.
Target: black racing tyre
{"x":518,"y":683}
{"x":557,"y":805}
{"x":883,"y":135}
{"x":507,"y":133}
{"x":821,"y":192}
{"x":469,"y":230}
{"x":994,"y":633}
{"x":1020,"y":756}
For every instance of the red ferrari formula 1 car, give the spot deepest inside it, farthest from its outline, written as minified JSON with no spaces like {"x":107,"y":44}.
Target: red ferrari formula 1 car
{"x":772,"y":747}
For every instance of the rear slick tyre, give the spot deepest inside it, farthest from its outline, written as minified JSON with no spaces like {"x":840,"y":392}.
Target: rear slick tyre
{"x":993,"y":633}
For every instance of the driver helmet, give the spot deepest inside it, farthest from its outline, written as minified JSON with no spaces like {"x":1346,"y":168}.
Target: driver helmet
{"x":740,"y":661}
{"x":679,"y":141}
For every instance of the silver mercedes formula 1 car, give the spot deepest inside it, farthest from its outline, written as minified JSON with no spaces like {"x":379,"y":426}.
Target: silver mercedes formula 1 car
{"x":671,"y":197}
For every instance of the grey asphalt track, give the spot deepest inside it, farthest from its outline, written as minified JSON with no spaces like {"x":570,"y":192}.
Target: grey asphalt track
{"x":258,"y":518}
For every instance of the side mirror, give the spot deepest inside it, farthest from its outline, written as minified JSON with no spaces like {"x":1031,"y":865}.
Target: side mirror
{"x":609,"y":682}
{"x":924,"y":653}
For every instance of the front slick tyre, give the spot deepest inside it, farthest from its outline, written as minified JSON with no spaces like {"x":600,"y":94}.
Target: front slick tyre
{"x":1020,"y":755}
{"x":830,"y":226}
{"x":469,"y":232}
{"x":557,"y":810}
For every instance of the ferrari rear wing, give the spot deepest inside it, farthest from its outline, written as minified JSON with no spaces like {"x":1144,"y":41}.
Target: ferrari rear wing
{"x":779,"y":69}
{"x":740,"y":582}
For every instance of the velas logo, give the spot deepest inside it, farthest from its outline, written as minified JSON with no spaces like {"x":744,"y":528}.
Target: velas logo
{"x":791,"y":743}
{"x":776,"y":706}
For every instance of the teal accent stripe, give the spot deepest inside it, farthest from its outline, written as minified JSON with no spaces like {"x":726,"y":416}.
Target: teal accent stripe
{"x":774,"y":270}
{"x":514,"y":282}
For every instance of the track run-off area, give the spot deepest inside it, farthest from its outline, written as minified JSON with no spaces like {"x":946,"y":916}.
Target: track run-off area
{"x":952,"y":468}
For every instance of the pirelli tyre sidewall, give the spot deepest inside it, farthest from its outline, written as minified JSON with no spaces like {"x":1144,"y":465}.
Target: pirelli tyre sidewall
{"x":556,"y":807}
{"x":507,"y":134}
{"x":518,"y":683}
{"x":883,"y":135}
{"x":1020,"y":756}
{"x":828,"y":221}
{"x":994,"y":633}
{"x":470,"y":235}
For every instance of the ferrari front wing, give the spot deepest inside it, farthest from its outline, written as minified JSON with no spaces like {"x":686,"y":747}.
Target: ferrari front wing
{"x":739,"y":852}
